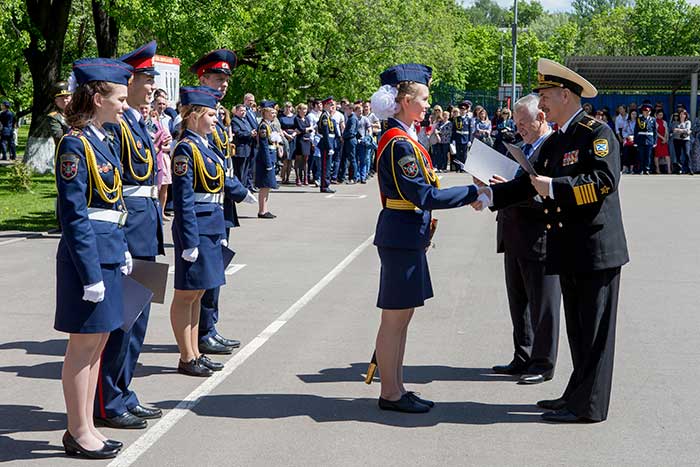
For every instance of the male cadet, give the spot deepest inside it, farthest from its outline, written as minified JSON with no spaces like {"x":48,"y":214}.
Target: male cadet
{"x":249,"y":102}
{"x":534,"y":296}
{"x":56,"y":118}
{"x":116,"y":405}
{"x":578,"y":174}
{"x":243,"y":142}
{"x":329,"y":133}
{"x":349,"y":161}
{"x":214,"y":70}
{"x":645,"y":138}
{"x":7,"y":129}
{"x":461,"y":132}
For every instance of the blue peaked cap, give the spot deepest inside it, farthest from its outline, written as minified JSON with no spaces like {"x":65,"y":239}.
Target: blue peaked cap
{"x":267,"y":104}
{"x":142,"y":59}
{"x":199,"y":95}
{"x":407,"y":72}
{"x":102,"y":69}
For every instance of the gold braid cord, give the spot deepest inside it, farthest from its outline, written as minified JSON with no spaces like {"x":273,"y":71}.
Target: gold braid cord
{"x":201,"y":175}
{"x":224,"y":145}
{"x":108,"y":194}
{"x":129,"y":144}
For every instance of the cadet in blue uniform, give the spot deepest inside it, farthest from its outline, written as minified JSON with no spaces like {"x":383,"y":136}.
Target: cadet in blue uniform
{"x":645,"y":138}
{"x":8,"y":122}
{"x":329,"y":133}
{"x":199,"y":228}
{"x":92,"y":253}
{"x":461,"y":132}
{"x":214,"y":71}
{"x":410,"y":191}
{"x":117,"y":406}
{"x":268,"y":142}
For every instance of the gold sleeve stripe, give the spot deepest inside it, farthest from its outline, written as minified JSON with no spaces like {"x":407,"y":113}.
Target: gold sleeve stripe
{"x":585,"y":194}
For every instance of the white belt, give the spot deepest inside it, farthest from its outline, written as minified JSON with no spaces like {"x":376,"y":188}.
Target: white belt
{"x":141,"y":191}
{"x":646,"y":133}
{"x":209,"y":198}
{"x":107,"y":215}
{"x":272,"y":147}
{"x":331,"y":136}
{"x":462,"y":132}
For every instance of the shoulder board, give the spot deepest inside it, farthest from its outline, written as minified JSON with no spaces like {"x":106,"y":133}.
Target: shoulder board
{"x":590,"y":123}
{"x":74,"y":132}
{"x":53,"y":114}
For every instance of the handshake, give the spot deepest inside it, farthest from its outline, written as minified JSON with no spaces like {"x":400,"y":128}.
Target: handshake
{"x":541,"y":184}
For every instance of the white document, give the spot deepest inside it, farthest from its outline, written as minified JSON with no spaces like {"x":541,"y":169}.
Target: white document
{"x":519,"y":155}
{"x":484,"y":162}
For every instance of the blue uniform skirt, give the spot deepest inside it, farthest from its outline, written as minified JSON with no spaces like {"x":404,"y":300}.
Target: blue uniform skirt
{"x":205,"y":273}
{"x":404,"y":280}
{"x":265,"y":178}
{"x":75,"y":315}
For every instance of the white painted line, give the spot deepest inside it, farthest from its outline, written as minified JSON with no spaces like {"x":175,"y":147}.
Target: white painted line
{"x":330,"y":196}
{"x":14,"y":240}
{"x":152,"y":435}
{"x":234,"y":268}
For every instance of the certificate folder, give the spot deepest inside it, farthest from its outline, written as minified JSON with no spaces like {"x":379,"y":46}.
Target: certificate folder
{"x":136,"y":297}
{"x":153,"y":276}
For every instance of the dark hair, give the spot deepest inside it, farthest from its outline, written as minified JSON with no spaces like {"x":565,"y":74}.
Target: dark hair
{"x":81,"y":109}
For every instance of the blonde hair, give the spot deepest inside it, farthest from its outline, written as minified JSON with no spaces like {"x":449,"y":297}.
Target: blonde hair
{"x":191,"y":114}
{"x":301,"y":107}
{"x":407,"y":88}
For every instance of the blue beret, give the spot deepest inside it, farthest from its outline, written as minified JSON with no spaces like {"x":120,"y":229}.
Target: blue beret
{"x":199,"y":95}
{"x":407,"y":72}
{"x":102,"y":69}
{"x":268,"y":104}
{"x":142,"y":59}
{"x":216,"y":61}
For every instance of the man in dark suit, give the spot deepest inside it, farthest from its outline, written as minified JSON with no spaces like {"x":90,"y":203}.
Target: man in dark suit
{"x":243,"y":141}
{"x":534,"y":296}
{"x":249,"y":102}
{"x":577,"y":177}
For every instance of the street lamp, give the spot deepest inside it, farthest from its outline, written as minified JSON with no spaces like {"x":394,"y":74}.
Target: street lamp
{"x":515,"y":51}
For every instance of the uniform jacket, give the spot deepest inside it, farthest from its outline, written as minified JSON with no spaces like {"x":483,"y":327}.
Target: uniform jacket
{"x":233,"y":187}
{"x":194,"y":219}
{"x":329,"y":132}
{"x":57,"y":126}
{"x":461,"y":129}
{"x":242,"y":136}
{"x":400,"y":178}
{"x":144,"y":226}
{"x":84,"y":242}
{"x":267,"y":149}
{"x":584,"y":220}
{"x":645,"y":131}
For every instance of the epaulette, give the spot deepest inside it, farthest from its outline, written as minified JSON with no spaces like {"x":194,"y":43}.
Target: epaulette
{"x":53,"y":114}
{"x":590,"y":123}
{"x":75,"y":132}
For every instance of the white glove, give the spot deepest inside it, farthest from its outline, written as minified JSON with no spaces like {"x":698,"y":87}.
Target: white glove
{"x":94,"y":293}
{"x":485,"y":201}
{"x":223,"y":242}
{"x":190,"y":254}
{"x":250,"y":198}
{"x":331,"y":152}
{"x":128,"y":264}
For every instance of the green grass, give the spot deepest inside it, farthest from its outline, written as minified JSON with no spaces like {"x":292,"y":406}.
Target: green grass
{"x":27,"y":211}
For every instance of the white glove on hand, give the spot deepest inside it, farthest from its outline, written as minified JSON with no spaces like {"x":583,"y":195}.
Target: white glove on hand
{"x":485,"y":201}
{"x":223,"y":242}
{"x":190,"y":254}
{"x":250,"y":198}
{"x":331,"y":152}
{"x":128,"y":264}
{"x":94,"y":293}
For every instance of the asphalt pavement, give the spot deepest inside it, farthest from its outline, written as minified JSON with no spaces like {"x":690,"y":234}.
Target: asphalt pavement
{"x":301,"y":297}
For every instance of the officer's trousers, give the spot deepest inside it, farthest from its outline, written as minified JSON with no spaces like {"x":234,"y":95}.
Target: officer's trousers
{"x":461,"y":154}
{"x":645,"y":155}
{"x":7,"y":143}
{"x":325,"y":169}
{"x":241,"y":167}
{"x":209,"y":309}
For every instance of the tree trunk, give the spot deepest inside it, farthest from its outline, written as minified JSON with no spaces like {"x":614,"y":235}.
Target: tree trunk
{"x":44,"y":54}
{"x":106,"y":29}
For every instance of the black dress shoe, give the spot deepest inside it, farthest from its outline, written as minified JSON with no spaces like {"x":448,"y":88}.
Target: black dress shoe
{"x":552,"y":404}
{"x":405,"y":404}
{"x":146,"y":412}
{"x":267,"y":215}
{"x":209,"y":363}
{"x":212,"y":346}
{"x":415,"y":397}
{"x":233,"y":343}
{"x":127,"y":421}
{"x":327,"y":190}
{"x":513,"y":368}
{"x":535,"y":378}
{"x":113,"y":443}
{"x":564,"y":416}
{"x":193,"y":368}
{"x":72,"y":448}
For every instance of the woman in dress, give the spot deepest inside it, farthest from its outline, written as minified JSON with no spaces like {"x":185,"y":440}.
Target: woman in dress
{"x":288,"y":124}
{"x":268,"y":144}
{"x":303,"y":145}
{"x":92,"y":254}
{"x":482,"y":127}
{"x":661,"y":153}
{"x":410,"y":191}
{"x":629,"y":150}
{"x":199,"y":228}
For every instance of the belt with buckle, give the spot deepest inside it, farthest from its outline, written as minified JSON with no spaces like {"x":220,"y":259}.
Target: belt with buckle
{"x":107,"y":215}
{"x":209,"y":198}
{"x":141,"y":191}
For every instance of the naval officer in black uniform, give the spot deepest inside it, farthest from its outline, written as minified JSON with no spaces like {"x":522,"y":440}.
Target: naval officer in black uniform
{"x":578,"y":176}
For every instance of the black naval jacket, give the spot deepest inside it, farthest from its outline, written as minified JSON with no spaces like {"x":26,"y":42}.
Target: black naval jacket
{"x":584,"y":221}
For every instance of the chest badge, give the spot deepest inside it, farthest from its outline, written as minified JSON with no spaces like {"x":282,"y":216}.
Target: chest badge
{"x":570,"y":158}
{"x":139,"y":144}
{"x":104,"y":168}
{"x":600,"y":147}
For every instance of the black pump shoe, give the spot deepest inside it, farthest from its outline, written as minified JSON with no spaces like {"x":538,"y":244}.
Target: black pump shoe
{"x":193,"y":368}
{"x":72,"y":448}
{"x":420,"y":400}
{"x":209,"y":363}
{"x":405,"y":404}
{"x":113,"y":443}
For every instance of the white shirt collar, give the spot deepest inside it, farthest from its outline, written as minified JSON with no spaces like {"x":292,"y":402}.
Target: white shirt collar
{"x":409,"y":129}
{"x":135,"y":113}
{"x":565,"y":126}
{"x":98,"y":132}
{"x":541,"y":139}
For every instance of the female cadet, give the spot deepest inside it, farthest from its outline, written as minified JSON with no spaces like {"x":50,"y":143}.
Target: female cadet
{"x":199,"y":227}
{"x":410,"y":191}
{"x":268,"y":141}
{"x":92,"y":254}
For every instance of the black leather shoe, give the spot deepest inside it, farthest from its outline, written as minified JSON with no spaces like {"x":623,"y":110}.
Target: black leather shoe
{"x":327,"y":190}
{"x":415,"y":397}
{"x":113,"y":443}
{"x":513,"y":368}
{"x":209,"y":363}
{"x":212,"y":346}
{"x":535,"y":378}
{"x":233,"y":343}
{"x":72,"y":448}
{"x":146,"y":412}
{"x":126,"y":421}
{"x":552,"y":404}
{"x":564,"y":416}
{"x":405,"y":404}
{"x":193,"y":368}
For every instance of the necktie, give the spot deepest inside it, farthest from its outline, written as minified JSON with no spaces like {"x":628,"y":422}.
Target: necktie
{"x":527,"y":150}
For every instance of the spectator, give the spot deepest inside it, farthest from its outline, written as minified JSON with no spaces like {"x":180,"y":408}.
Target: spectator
{"x":629,"y":150}
{"x":443,"y":130}
{"x":505,"y":131}
{"x":303,"y":146}
{"x":364,"y":145}
{"x":695,"y":156}
{"x":482,"y":126}
{"x":620,"y":122}
{"x":268,"y":143}
{"x":288,"y":124}
{"x":8,"y":123}
{"x":376,"y":128}
{"x":600,"y":116}
{"x":160,"y":134}
{"x":315,"y":159}
{"x":434,"y":138}
{"x":160,"y":104}
{"x":588,"y":108}
{"x":681,"y":142}
{"x":661,"y":149}
{"x":348,"y":160}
